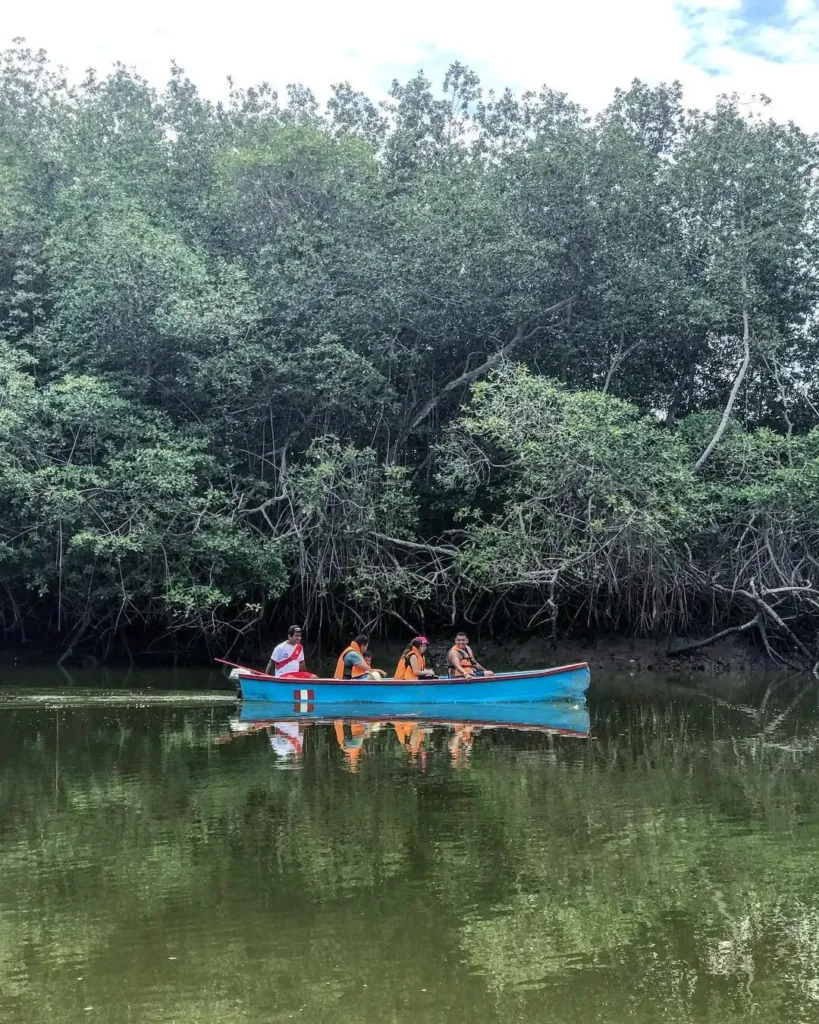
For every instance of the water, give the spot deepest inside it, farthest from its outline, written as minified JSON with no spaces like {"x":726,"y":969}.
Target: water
{"x":158,"y":864}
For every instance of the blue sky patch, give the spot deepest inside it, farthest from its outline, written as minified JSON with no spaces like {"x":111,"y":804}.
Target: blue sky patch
{"x":763,"y":12}
{"x":759,"y":28}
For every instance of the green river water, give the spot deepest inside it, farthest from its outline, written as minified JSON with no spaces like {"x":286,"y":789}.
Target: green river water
{"x":154,"y":869}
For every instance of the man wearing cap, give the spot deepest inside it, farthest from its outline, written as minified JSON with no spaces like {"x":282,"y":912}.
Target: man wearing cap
{"x":288,"y":657}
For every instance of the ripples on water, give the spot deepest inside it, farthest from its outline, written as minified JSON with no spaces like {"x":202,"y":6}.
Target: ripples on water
{"x":156,"y":865}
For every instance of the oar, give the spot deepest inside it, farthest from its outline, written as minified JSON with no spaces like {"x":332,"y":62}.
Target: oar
{"x":244,"y":668}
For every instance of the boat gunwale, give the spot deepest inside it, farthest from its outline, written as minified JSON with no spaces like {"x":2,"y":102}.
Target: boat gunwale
{"x":436,"y":681}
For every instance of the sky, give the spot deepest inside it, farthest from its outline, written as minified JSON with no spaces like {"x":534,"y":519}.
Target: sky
{"x":583,"y":47}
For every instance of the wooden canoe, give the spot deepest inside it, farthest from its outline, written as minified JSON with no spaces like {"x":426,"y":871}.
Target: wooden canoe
{"x":568,"y":682}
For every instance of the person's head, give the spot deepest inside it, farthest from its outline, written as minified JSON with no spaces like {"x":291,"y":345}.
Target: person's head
{"x":294,"y":634}
{"x":420,"y":642}
{"x":363,"y":642}
{"x":368,"y":657}
{"x":461,"y":639}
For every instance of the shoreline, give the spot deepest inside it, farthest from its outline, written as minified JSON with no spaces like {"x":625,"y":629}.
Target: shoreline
{"x":607,"y":653}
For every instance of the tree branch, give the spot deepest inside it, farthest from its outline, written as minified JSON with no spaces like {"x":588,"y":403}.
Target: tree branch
{"x":619,"y":358}
{"x":696,"y":645}
{"x":743,"y":369}
{"x":411,"y":545}
{"x":468,"y":377}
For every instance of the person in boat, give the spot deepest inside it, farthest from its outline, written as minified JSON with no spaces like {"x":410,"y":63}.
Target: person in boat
{"x":413,"y":664}
{"x":375,"y":673}
{"x":351,"y":662}
{"x":461,"y":661}
{"x":288,"y":657}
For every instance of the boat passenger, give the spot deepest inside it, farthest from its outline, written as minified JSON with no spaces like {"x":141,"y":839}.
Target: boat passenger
{"x":288,"y":657}
{"x":412,"y":664}
{"x":351,"y":663}
{"x":461,"y":662}
{"x":375,"y":673}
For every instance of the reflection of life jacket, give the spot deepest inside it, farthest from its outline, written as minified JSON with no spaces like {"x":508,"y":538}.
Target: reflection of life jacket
{"x":347,"y":672}
{"x":410,"y":735}
{"x":466,"y":662}
{"x":354,"y":745}
{"x":460,"y":743}
{"x":410,"y":665}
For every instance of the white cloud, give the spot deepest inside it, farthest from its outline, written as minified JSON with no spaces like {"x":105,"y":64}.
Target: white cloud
{"x":585,"y":47}
{"x":797,"y":8}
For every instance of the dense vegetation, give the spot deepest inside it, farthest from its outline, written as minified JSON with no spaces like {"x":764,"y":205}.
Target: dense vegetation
{"x":454,"y":356}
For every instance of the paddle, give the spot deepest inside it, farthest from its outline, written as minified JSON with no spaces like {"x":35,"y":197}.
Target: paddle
{"x":244,"y":668}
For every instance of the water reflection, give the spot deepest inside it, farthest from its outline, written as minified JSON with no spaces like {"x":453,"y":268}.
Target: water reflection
{"x":413,"y":729}
{"x":663,"y":871}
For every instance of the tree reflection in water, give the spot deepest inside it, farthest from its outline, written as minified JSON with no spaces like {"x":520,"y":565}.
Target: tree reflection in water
{"x":663,"y":869}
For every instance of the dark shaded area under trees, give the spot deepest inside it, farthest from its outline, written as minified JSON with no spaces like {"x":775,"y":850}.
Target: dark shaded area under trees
{"x":458,"y":356}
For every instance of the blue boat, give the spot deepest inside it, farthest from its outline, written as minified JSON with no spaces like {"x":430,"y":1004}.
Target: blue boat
{"x":566,"y":718}
{"x":569,"y":682}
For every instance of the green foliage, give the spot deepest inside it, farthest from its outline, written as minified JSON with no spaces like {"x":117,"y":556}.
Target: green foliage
{"x":211,"y":290}
{"x":350,"y":517}
{"x":115,"y":516}
{"x":584,"y":497}
{"x":577,"y":503}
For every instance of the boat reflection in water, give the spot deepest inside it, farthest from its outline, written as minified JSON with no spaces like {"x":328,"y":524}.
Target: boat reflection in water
{"x":413,"y":728}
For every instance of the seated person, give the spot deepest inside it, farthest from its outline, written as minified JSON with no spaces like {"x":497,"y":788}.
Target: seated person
{"x":412,"y":664}
{"x":352,"y":662}
{"x":461,"y":662}
{"x":375,"y":673}
{"x":288,"y":657}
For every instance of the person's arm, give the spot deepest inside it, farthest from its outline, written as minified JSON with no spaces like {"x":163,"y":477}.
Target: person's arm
{"x":453,"y":659}
{"x":270,"y":666}
{"x":420,"y":673}
{"x":352,"y":658}
{"x":480,"y":668}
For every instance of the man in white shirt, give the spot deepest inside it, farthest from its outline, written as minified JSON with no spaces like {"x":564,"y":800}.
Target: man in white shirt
{"x":288,"y":656}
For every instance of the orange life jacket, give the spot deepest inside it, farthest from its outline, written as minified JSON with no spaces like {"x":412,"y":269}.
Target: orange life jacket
{"x":357,"y":670}
{"x":407,"y":668}
{"x":466,"y":662}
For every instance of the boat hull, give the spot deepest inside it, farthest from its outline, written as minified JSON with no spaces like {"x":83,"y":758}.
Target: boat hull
{"x":568,"y":682}
{"x":562,"y":717}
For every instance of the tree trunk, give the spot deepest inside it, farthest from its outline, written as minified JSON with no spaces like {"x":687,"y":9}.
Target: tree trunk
{"x":620,"y":357}
{"x":740,"y":377}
